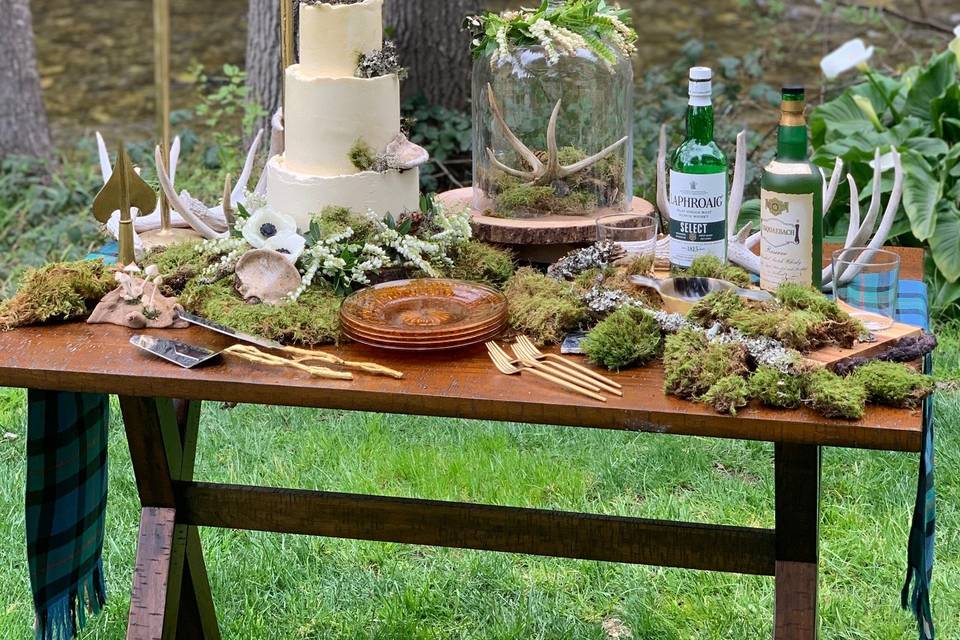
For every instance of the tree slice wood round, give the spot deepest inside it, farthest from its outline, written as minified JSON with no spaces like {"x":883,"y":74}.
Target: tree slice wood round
{"x":544,"y":231}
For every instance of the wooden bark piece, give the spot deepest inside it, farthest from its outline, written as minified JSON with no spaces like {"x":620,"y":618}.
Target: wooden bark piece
{"x":113,"y":309}
{"x":543,"y":231}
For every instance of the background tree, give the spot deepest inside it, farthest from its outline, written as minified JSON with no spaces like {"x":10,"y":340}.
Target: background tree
{"x":263,"y":54}
{"x":434,"y":48}
{"x":23,"y":118}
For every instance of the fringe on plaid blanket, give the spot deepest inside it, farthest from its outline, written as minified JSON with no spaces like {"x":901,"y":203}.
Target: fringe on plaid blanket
{"x":64,"y":618}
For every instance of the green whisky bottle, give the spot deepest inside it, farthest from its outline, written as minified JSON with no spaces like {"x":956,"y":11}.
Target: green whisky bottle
{"x":791,"y":204}
{"x":698,"y":182}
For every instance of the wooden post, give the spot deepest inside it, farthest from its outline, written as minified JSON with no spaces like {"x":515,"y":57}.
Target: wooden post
{"x":797,"y":471}
{"x":171,"y":593}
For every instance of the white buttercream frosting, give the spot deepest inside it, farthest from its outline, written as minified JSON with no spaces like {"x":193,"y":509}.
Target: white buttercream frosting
{"x":325,"y":117}
{"x":332,"y":36}
{"x":300,"y":195}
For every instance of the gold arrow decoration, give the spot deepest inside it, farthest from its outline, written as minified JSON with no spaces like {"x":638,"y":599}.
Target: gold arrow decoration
{"x":124,"y":189}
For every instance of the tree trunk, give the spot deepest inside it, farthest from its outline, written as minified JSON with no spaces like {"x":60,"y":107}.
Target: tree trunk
{"x":264,"y":76}
{"x":23,"y":120}
{"x":434,"y":47}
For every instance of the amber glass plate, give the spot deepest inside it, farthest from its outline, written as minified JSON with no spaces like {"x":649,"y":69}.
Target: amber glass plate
{"x":429,"y":308}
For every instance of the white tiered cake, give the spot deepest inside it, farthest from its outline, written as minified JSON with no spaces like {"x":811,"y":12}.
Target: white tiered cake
{"x":328,"y":111}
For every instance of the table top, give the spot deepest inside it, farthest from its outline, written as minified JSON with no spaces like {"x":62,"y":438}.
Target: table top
{"x":463,"y":384}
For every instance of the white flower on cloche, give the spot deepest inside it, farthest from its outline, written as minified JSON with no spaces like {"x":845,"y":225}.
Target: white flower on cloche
{"x":267,"y":223}
{"x":289,"y":245}
{"x":851,"y":55}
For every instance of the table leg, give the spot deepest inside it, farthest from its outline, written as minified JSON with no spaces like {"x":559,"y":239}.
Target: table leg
{"x":171,"y":593}
{"x":797,"y":470}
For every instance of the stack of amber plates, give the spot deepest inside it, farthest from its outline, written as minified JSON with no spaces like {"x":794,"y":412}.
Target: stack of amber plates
{"x":424,"y":315}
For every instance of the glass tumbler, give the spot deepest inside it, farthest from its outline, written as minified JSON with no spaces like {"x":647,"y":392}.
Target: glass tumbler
{"x":636,"y":235}
{"x":868,"y":282}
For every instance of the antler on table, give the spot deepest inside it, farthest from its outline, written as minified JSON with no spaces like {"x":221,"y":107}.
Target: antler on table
{"x":541,"y":173}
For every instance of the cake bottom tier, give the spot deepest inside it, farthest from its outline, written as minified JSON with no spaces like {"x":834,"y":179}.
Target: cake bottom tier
{"x":301,"y":195}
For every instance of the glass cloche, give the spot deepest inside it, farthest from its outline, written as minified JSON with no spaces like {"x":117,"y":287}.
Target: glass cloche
{"x":552,"y":119}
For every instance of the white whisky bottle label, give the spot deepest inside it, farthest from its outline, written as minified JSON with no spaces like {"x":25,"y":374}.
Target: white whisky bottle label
{"x":698,"y":216}
{"x":786,"y":239}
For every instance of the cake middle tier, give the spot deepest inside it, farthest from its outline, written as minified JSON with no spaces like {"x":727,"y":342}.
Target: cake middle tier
{"x":324,"y":118}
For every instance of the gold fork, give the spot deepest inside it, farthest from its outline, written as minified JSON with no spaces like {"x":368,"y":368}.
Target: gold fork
{"x":502,"y":361}
{"x":531,"y":349}
{"x":523,"y":358}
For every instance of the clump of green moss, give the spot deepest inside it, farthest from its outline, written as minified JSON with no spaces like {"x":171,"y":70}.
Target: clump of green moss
{"x":713,"y":267}
{"x":835,"y":397}
{"x":312,"y":320}
{"x":480,"y":262}
{"x":718,"y":306}
{"x":543,"y":308}
{"x":61,"y":291}
{"x":363,"y":158}
{"x":178,"y":264}
{"x":777,"y":389}
{"x":639,"y":266}
{"x":692,"y":364}
{"x":523,"y":200}
{"x":592,"y":277}
{"x":628,"y":337}
{"x":728,"y":394}
{"x":894,"y":384}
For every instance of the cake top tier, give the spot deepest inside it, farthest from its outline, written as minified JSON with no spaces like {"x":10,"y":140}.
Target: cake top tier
{"x":334,"y":35}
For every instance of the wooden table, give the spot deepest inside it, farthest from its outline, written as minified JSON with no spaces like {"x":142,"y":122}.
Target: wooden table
{"x":171,"y":594}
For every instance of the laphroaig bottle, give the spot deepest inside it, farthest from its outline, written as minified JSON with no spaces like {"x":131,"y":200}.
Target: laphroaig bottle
{"x":791,"y":204}
{"x":698,"y":182}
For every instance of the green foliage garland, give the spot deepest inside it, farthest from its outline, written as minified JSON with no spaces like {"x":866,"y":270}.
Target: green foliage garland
{"x":560,"y":27}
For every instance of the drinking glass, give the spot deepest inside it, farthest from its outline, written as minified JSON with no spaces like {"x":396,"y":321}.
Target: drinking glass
{"x":637,"y":235}
{"x":868,"y":281}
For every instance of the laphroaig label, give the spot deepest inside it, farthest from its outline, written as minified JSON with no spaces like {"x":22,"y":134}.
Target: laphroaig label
{"x":698,"y":216}
{"x":786,"y":239}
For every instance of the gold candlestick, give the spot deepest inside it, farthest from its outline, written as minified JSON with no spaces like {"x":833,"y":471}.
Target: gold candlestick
{"x":125,"y":189}
{"x":161,"y":53}
{"x":166,"y":234}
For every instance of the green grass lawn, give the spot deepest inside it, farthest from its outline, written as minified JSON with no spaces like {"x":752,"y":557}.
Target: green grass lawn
{"x":285,"y":587}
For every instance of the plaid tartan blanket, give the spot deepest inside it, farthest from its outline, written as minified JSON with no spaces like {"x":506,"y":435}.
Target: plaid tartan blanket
{"x":65,"y":506}
{"x":912,"y":309}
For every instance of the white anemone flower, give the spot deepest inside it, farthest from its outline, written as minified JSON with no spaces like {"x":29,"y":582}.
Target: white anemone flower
{"x":956,"y":31}
{"x":289,"y":245}
{"x":265,"y":224}
{"x":850,"y":55}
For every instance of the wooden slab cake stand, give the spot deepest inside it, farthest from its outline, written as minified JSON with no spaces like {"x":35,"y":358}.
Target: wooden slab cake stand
{"x":545,"y":239}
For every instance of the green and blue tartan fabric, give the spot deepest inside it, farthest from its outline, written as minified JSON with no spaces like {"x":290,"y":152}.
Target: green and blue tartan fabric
{"x":912,"y":309}
{"x":65,"y":507}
